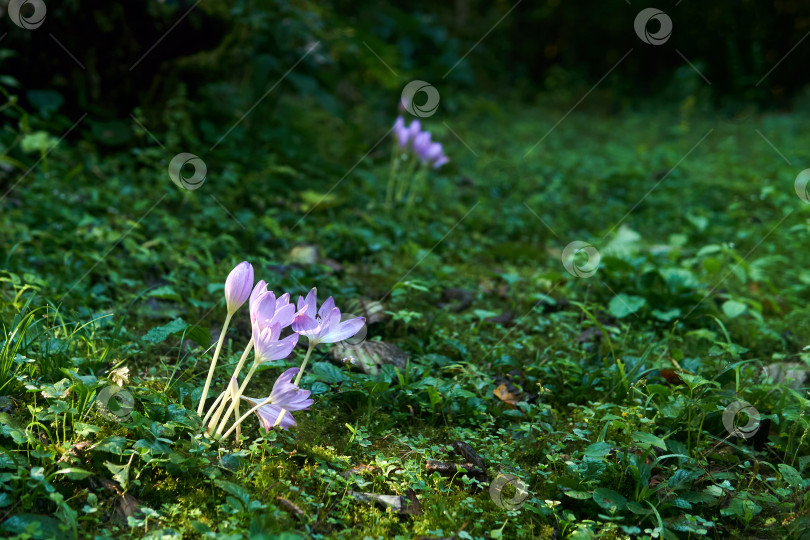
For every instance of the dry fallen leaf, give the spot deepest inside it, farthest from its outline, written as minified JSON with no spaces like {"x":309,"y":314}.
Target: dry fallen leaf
{"x":503,"y":393}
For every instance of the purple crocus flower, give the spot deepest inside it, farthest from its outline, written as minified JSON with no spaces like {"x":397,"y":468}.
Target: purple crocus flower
{"x":268,"y":346}
{"x":441,"y":160}
{"x":414,"y":129}
{"x":323,"y":325}
{"x":421,"y":144}
{"x":285,"y":396}
{"x":401,"y":132}
{"x":267,"y":310}
{"x":238,"y":286}
{"x":433,"y":152}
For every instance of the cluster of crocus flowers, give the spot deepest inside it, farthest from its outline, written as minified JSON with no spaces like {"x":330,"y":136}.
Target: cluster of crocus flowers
{"x":270,"y":318}
{"x":413,"y":138}
{"x":413,"y":146}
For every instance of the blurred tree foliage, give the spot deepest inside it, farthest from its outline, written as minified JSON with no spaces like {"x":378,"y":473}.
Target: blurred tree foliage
{"x":186,"y":68}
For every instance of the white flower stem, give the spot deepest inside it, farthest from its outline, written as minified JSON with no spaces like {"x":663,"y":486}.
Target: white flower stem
{"x":236,"y":398}
{"x":297,"y":379}
{"x":236,"y":413}
{"x":242,"y":418}
{"x":201,"y":406}
{"x":213,"y":407}
{"x":226,"y":394}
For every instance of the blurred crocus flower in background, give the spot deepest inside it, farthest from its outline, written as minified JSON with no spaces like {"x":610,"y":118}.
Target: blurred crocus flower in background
{"x":412,"y":142}
{"x":238,"y":286}
{"x":323,"y":326}
{"x":418,"y":141}
{"x":286,"y":396}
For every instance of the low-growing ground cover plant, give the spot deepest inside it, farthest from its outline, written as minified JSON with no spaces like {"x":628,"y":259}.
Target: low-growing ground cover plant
{"x":582,"y":314}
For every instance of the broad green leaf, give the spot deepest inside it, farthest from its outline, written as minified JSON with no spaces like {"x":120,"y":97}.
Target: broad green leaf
{"x":159,"y":334}
{"x":328,"y":373}
{"x":74,"y":473}
{"x":733,"y":308}
{"x":113,"y":445}
{"x":623,"y":305}
{"x":598,"y":449}
{"x":609,"y":499}
{"x":574,"y":494}
{"x":790,"y":475}
{"x":645,"y":440}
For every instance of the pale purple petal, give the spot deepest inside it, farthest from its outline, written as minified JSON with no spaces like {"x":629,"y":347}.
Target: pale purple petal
{"x":433,"y":152}
{"x":238,"y":286}
{"x":264,"y":307}
{"x":344,"y":330}
{"x":305,"y":325}
{"x":261,"y":287}
{"x":441,"y":161}
{"x":326,"y":308}
{"x":276,"y":350}
{"x":421,"y":144}
{"x":308,"y":306}
{"x":414,"y":129}
{"x":284,"y":315}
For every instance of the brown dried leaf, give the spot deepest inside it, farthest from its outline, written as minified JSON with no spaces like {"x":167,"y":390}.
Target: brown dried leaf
{"x":503,"y":393}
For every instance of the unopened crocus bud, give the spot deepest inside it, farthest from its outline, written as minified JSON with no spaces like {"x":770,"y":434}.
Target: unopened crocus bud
{"x":238,"y":286}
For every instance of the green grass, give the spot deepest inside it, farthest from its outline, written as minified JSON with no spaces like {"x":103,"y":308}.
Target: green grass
{"x":619,"y":381}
